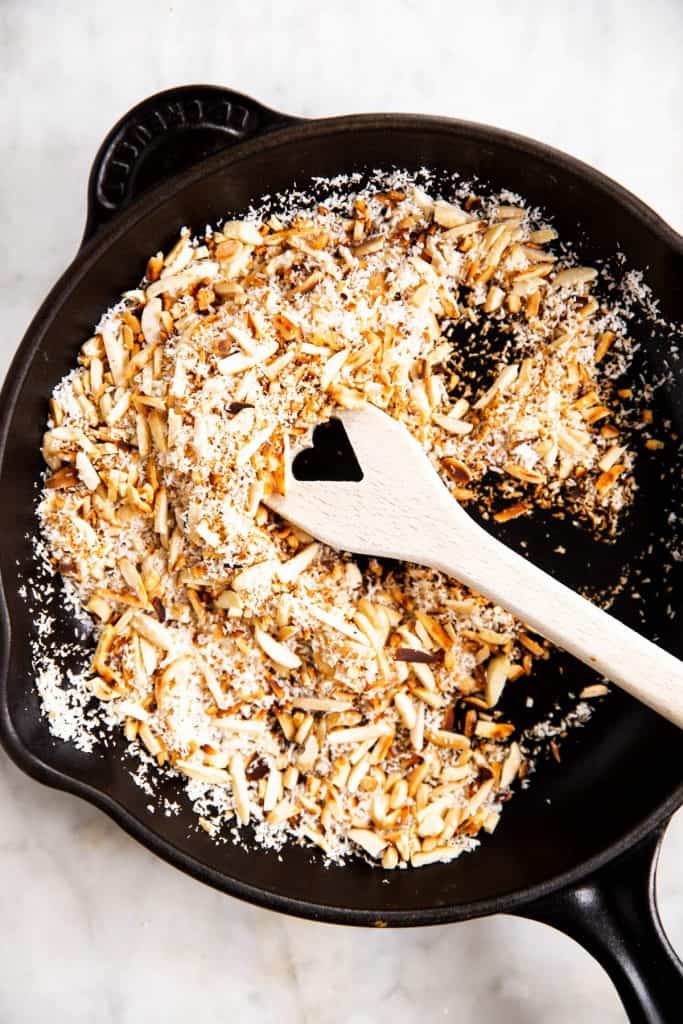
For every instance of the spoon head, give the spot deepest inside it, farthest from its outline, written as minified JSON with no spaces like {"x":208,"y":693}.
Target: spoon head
{"x":385,"y":512}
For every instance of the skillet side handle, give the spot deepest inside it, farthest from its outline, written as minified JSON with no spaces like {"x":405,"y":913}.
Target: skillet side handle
{"x":613,"y":915}
{"x":168,"y":133}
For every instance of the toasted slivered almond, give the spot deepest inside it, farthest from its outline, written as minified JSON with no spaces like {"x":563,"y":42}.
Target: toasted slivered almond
{"x":493,"y":730}
{"x":151,"y":321}
{"x":470,"y":227}
{"x":611,"y":457}
{"x":67,"y":476}
{"x":161,"y":512}
{"x":240,"y":791}
{"x":336,"y":622}
{"x":116,"y":353}
{"x":150,"y":740}
{"x":435,"y":630}
{"x":511,"y":766}
{"x":505,"y":378}
{"x":273,"y":791}
{"x":277,"y":652}
{"x":231,"y":602}
{"x":241,"y":726}
{"x":440,"y":854}
{"x":542,"y":236}
{"x":372,"y":245}
{"x":321,"y":704}
{"x":153,"y":631}
{"x":198,"y":270}
{"x":449,"y":216}
{"x":157,"y":429}
{"x":203,"y":773}
{"x":494,"y":299}
{"x":605,"y":342}
{"x":449,"y":740}
{"x":359,"y":734}
{"x":528,"y":476}
{"x":87,"y":472}
{"x":480,"y":796}
{"x":273,"y":369}
{"x":518,"y":508}
{"x":452,"y":424}
{"x":369,"y":841}
{"x":332,"y":368}
{"x":259,"y":575}
{"x":607,"y":479}
{"x":291,"y":569}
{"x":252,"y":446}
{"x":243,"y":230}
{"x":133,"y":579}
{"x":281,"y":812}
{"x":497,"y":671}
{"x":417,"y":732}
{"x":594,"y":690}
{"x":570,"y":444}
{"x":432,"y":824}
{"x":240,"y":361}
{"x":532,"y":646}
{"x":143,"y":435}
{"x":574,"y":276}
{"x":406,"y":709}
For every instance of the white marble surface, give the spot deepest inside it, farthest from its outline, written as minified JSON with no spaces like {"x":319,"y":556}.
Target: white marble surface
{"x":92,"y":927}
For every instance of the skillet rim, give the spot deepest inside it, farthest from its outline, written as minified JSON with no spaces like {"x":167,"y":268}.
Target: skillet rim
{"x":107,"y":236}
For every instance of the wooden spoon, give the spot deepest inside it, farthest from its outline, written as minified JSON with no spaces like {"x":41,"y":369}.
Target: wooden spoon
{"x":401,"y":509}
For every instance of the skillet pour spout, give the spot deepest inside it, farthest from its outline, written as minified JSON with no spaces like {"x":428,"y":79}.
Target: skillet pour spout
{"x":578,"y":849}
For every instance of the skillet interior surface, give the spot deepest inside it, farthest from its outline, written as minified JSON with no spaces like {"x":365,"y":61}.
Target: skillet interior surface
{"x":618,"y":774}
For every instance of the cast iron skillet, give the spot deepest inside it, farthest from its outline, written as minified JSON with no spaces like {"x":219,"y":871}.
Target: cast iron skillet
{"x":578,"y":849}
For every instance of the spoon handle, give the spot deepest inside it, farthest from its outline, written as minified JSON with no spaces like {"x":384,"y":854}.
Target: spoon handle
{"x":605,"y":644}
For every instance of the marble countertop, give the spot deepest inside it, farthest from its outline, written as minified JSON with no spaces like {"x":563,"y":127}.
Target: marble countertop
{"x":94,"y":928}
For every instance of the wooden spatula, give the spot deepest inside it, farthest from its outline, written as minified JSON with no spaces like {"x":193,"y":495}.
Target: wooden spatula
{"x":401,"y":509}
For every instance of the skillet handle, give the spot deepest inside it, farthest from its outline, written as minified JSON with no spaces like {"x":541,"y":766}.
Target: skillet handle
{"x":613,"y":915}
{"x":168,"y":133}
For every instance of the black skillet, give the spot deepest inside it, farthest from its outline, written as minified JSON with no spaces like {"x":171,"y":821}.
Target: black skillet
{"x":578,"y":849}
